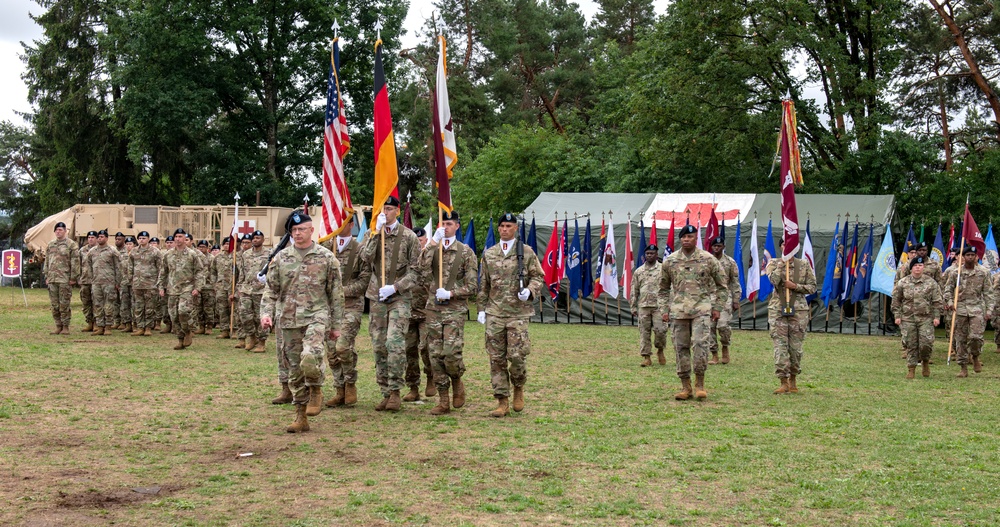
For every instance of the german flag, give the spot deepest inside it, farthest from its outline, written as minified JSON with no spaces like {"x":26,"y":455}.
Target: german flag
{"x":386,"y":170}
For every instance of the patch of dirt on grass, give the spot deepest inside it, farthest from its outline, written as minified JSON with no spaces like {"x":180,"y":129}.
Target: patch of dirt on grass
{"x":112,"y":498}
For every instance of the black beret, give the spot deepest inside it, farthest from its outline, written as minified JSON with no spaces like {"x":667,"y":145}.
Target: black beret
{"x":92,"y":233}
{"x":295,"y":218}
{"x":216,"y":248}
{"x":154,"y":239}
{"x":718,"y":240}
{"x":203,"y":243}
{"x":392,"y":200}
{"x":59,"y":224}
{"x":190,"y":236}
{"x":968,"y":250}
{"x":246,"y":237}
{"x":102,"y":231}
{"x":227,"y":239}
{"x":258,"y":233}
{"x":920,"y":245}
{"x":507,"y":218}
{"x":953,"y":250}
{"x":129,"y":239}
{"x":917,"y":260}
{"x":450,"y":216}
{"x":170,"y":238}
{"x":119,"y":234}
{"x":419,"y":231}
{"x":179,"y":231}
{"x":687,"y":229}
{"x":142,"y":233}
{"x":652,"y":247}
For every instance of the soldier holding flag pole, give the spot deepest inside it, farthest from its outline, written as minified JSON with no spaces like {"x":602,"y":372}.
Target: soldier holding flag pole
{"x":973,"y":299}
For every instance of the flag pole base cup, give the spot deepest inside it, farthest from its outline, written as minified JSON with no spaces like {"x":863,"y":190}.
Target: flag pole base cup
{"x":442,"y":302}
{"x":389,"y":299}
{"x":788,"y":311}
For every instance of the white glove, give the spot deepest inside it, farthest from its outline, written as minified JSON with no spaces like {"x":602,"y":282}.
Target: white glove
{"x":262,"y":278}
{"x":524,"y":294}
{"x":438,"y":235}
{"x":442,"y":294}
{"x":380,"y":222}
{"x":482,"y":317}
{"x":386,"y":291}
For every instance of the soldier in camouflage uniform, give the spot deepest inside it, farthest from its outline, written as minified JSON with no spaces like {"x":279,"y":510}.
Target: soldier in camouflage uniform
{"x":205,"y":307}
{"x":104,"y":263}
{"x":721,"y":332}
{"x":305,"y":280}
{"x":61,"y":269}
{"x":642,"y":302}
{"x":416,"y":338}
{"x":340,"y":353}
{"x":447,"y":310}
{"x":692,"y":293}
{"x":916,"y":308}
{"x":125,"y":288}
{"x":144,"y":263}
{"x":181,"y":279}
{"x":505,"y":304}
{"x":86,"y":279}
{"x":251,"y":290}
{"x":168,"y":327}
{"x":391,"y":306}
{"x":122,"y":254}
{"x":789,"y":331}
{"x":222,"y":269}
{"x":975,"y":307}
{"x":242,"y":245}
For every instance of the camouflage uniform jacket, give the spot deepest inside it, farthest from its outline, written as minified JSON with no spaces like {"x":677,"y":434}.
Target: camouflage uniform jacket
{"x":421,"y":293}
{"x":86,"y":273}
{"x":932,"y":269}
{"x":914,"y":298}
{"x":181,"y":272}
{"x":104,"y":265}
{"x":801,"y":274}
{"x":732,"y":276}
{"x":645,"y":285}
{"x":354,"y":273}
{"x":691,"y":286}
{"x":222,"y":270}
{"x":975,"y":293}
{"x":499,"y":283}
{"x":250,"y":262}
{"x":62,"y":262}
{"x":145,"y":263}
{"x":463,"y":286}
{"x":304,"y":287}
{"x":406,"y":279}
{"x":206,"y":262}
{"x":126,"y":269}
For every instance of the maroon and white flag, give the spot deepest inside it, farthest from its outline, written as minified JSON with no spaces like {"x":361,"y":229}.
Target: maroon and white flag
{"x":791,"y":174}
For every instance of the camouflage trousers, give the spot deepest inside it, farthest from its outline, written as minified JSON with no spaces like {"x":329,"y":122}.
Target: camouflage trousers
{"x":87,"y":299}
{"x":507,"y":342}
{"x":181,"y":308}
{"x":206,"y":308}
{"x":279,"y":341}
{"x":302,"y":355}
{"x":250,"y":317}
{"x":788,"y":334}
{"x":445,"y":341}
{"x":161,"y":308}
{"x":721,"y":332}
{"x":60,"y":297}
{"x":123,"y":311}
{"x":651,"y":327}
{"x":416,"y":351}
{"x":968,"y":337}
{"x":918,"y":339}
{"x":144,"y":304}
{"x":343,"y":359}
{"x":388,"y":325}
{"x":222,"y":312}
{"x":105,"y":298}
{"x":692,"y":338}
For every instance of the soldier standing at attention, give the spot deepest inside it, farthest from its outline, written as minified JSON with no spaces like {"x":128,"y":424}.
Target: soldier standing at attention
{"x":391,"y":300}
{"x":721,"y":332}
{"x":86,"y":279}
{"x":104,"y":263}
{"x":342,"y":358}
{"x":181,"y":278}
{"x":168,"y":326}
{"x":244,"y":244}
{"x":305,"y":292}
{"x":645,"y":284}
{"x":448,"y":309}
{"x":788,"y":326}
{"x":122,"y":254}
{"x":692,"y":293}
{"x":511,"y":278}
{"x":61,"y":270}
{"x":916,"y":308}
{"x":144,"y":261}
{"x":251,"y":290}
{"x":125,"y":288}
{"x":416,"y":338}
{"x":222,"y":269}
{"x":206,"y":302}
{"x":975,"y":307}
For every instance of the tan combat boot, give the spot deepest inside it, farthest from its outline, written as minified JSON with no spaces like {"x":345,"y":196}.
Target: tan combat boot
{"x":380,"y":407}
{"x":240,"y":344}
{"x":284,"y":397}
{"x":518,"y":399}
{"x":725,"y":355}
{"x":661,"y":358}
{"x":646,"y":361}
{"x":413,"y":394}
{"x":910,"y":371}
{"x":180,"y":344}
{"x":301,"y":423}
{"x":199,"y":331}
{"x":686,"y":391}
{"x":148,"y":332}
{"x":715,"y":358}
{"x":98,"y":330}
{"x":443,"y":405}
{"x":976,"y":365}
{"x":56,"y":331}
{"x":430,"y":390}
{"x":792,"y":387}
{"x":260,"y":347}
{"x":337,"y":400}
{"x":502,"y":408}
{"x":127,"y":328}
{"x":106,"y":331}
{"x":188,"y":339}
{"x":699,"y":386}
{"x":156,"y":325}
{"x":224,"y":334}
{"x":90,"y":329}
{"x":351,"y":394}
{"x":784,"y":386}
{"x":926,"y":370}
{"x":65,"y":330}
{"x":208,"y":330}
{"x":167,"y":328}
{"x":138,"y":332}
{"x":315,"y":404}
{"x":964,"y":373}
{"x":394,"y":402}
{"x":458,"y":400}
{"x":251,"y":343}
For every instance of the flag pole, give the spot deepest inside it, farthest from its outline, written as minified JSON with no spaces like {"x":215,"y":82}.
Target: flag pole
{"x":958,"y":283}
{"x":232,"y":279}
{"x":440,"y":250}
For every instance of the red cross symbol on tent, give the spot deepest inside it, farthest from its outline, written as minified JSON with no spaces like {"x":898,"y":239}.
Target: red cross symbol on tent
{"x":246,"y":227}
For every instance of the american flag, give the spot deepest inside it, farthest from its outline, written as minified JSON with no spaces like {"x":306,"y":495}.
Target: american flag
{"x":337,"y":207}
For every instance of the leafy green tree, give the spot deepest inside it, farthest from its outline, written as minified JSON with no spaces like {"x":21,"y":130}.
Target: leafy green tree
{"x":621,"y":21}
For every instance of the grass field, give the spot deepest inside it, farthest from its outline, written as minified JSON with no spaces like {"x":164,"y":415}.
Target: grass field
{"x":125,"y":431}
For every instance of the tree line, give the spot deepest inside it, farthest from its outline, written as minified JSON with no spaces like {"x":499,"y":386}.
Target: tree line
{"x":188,"y":101}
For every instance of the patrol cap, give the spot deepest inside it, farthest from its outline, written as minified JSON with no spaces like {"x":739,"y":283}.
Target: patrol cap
{"x":102,"y":232}
{"x":141,"y":234}
{"x":92,"y":233}
{"x":718,"y":240}
{"x":652,"y":247}
{"x":246,"y":237}
{"x":216,"y":247}
{"x":203,"y":243}
{"x":129,"y":239}
{"x":687,"y":229}
{"x":154,"y":239}
{"x":507,"y":218}
{"x":917,"y":260}
{"x":179,"y":231}
{"x":59,"y":224}
{"x":419,"y":231}
{"x":257,"y":233}
{"x":170,"y":238}
{"x":392,"y":200}
{"x":450,"y":216}
{"x":968,"y":250}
